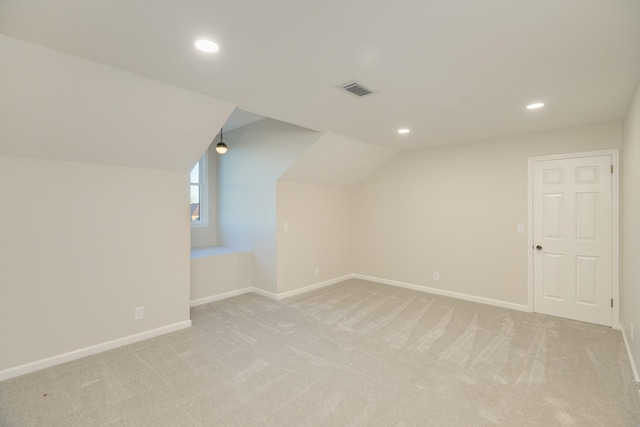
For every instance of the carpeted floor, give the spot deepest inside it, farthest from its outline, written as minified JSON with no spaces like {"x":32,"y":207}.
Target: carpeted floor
{"x":353,"y":354}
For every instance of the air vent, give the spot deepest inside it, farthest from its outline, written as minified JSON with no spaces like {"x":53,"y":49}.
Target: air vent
{"x":356,"y":88}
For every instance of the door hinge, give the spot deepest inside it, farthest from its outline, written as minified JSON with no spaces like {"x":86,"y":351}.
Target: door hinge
{"x":611,"y":168}
{"x":611,"y":302}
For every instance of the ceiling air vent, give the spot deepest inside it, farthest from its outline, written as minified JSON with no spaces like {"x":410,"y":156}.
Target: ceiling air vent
{"x":356,"y":88}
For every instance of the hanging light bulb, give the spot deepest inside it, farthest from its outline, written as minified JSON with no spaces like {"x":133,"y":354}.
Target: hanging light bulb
{"x":221,"y":147}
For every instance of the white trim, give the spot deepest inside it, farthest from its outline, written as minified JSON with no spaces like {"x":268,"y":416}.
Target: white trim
{"x":218,"y":297}
{"x":530,"y":234}
{"x":88,"y":351}
{"x":615,"y":243}
{"x":633,"y":363}
{"x":458,"y":295}
{"x":615,"y":224}
{"x":264,"y":293}
{"x":575,"y":155}
{"x":204,"y":191}
{"x":315,"y":286}
{"x":271,"y":295}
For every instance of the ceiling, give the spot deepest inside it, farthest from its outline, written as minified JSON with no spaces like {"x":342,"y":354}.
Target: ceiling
{"x":451,"y":71}
{"x":60,"y":107}
{"x":240,"y":118}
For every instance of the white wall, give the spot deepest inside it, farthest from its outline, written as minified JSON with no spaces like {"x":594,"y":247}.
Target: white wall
{"x":247,"y":180}
{"x":454,"y":210}
{"x":81,"y":246}
{"x":320,"y":224}
{"x":630,"y":292}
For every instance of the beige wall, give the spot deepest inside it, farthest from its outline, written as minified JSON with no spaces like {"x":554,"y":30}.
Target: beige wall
{"x":319,"y":219}
{"x":630,"y":292}
{"x":247,"y":179}
{"x":338,"y":160}
{"x":455,"y":209}
{"x":82,"y":245}
{"x":218,"y":272}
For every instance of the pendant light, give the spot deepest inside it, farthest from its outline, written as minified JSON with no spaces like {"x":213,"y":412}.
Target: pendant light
{"x":221,"y":147}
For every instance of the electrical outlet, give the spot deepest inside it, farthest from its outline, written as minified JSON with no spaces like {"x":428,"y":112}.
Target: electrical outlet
{"x":285,"y":226}
{"x":316,"y":271}
{"x":138,"y":313}
{"x":436,"y":275}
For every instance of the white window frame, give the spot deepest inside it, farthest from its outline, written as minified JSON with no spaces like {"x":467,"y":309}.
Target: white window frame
{"x":204,"y":193}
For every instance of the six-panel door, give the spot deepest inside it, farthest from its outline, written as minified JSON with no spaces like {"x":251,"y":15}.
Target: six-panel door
{"x":572,"y":237}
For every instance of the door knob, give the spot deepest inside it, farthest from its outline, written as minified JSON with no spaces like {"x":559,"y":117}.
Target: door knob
{"x":539,"y":247}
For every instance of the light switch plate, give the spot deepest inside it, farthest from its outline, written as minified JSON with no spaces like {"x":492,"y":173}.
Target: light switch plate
{"x":521,"y":227}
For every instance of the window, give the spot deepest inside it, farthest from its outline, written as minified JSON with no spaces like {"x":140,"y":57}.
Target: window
{"x":199,"y":192}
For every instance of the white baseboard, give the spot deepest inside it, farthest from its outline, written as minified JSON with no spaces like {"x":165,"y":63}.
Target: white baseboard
{"x":88,"y":351}
{"x":315,"y":286}
{"x":630,"y":355}
{"x":617,"y":326}
{"x":77,"y":354}
{"x":280,"y":296}
{"x":219,"y":297}
{"x":264,"y":293}
{"x":466,"y":297}
{"x":270,"y":295}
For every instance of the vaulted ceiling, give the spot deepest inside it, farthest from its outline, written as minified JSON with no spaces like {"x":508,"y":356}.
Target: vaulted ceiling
{"x":60,"y":107}
{"x":450,"y":71}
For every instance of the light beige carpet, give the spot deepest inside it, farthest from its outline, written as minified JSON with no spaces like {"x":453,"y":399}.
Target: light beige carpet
{"x":353,"y":354}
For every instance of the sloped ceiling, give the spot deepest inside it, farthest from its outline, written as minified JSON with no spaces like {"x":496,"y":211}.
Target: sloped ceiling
{"x":59,"y":107}
{"x":240,"y":118}
{"x":338,"y":160}
{"x":452,"y":71}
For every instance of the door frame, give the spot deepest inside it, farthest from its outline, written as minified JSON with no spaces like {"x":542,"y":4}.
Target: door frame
{"x":615,"y":225}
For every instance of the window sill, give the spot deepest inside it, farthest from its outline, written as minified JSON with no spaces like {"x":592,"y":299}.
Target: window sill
{"x":212,"y":251}
{"x":199,"y":224}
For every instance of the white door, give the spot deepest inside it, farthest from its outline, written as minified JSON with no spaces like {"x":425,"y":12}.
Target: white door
{"x":572,"y":238}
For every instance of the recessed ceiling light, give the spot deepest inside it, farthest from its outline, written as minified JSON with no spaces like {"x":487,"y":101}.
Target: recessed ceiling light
{"x":404,"y":130}
{"x":207,"y":46}
{"x":535,"y":106}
